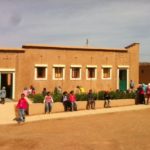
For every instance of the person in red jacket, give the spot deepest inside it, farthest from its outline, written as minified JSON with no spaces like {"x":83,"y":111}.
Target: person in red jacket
{"x":22,"y":107}
{"x":72,"y":99}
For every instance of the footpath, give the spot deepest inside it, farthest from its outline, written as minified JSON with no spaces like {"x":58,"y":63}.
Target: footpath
{"x":7,"y":113}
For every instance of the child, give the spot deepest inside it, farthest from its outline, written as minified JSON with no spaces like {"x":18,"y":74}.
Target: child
{"x":48,"y":100}
{"x":72,"y":99}
{"x":106,"y":100}
{"x":22,"y":107}
{"x":65,"y":100}
{"x":90,"y":100}
{"x":3,"y":95}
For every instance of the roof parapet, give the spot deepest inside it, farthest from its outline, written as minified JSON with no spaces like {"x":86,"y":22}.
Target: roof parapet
{"x":85,"y":48}
{"x":131,"y":45}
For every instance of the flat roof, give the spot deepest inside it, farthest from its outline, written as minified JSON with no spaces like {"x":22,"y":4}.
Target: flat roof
{"x":144,"y":63}
{"x":79,"y":48}
{"x":12,"y":50}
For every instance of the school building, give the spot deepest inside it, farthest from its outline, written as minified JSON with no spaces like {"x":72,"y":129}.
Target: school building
{"x":68,"y":67}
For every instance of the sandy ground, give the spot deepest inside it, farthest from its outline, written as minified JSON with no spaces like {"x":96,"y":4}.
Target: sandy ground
{"x":113,"y":131}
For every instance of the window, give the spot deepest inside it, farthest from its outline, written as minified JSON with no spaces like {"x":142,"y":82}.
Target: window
{"x":40,"y":72}
{"x":58,"y":72}
{"x":91,"y":72}
{"x":75,"y":72}
{"x":106,"y":72}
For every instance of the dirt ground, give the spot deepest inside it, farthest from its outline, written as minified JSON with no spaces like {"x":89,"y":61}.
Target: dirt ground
{"x":113,"y":131}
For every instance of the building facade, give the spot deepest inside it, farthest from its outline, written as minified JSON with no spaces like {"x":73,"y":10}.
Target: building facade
{"x":46,"y":66}
{"x":144,"y":70}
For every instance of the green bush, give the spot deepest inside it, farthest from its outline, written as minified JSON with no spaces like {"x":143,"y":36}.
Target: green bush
{"x":38,"y":98}
{"x":122,"y":94}
{"x":100,"y":95}
{"x":81,"y":97}
{"x":57,"y":97}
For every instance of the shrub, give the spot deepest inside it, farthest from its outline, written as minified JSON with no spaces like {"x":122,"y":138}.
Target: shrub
{"x":81,"y":97}
{"x":100,"y":95}
{"x":38,"y":98}
{"x":57,"y":97}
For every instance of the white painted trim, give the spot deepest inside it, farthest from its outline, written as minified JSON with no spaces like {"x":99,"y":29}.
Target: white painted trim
{"x":53,"y":73}
{"x":102,"y":73}
{"x":14,"y":85}
{"x":127,"y":79}
{"x":87,"y":74}
{"x":80,"y":73}
{"x":91,"y":66}
{"x":59,"y":65}
{"x":106,"y":66}
{"x":123,"y":66}
{"x":7,"y":70}
{"x":35,"y":73}
{"x":41,"y":65}
{"x":118,"y":79}
{"x":127,"y":69}
{"x":76,"y":66}
{"x":11,"y":70}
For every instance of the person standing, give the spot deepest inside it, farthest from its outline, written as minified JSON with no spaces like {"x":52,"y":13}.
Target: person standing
{"x":22,"y":107}
{"x":141,"y":95}
{"x":44,"y":92}
{"x":148,"y":93}
{"x":131,"y":85}
{"x":3,"y":95}
{"x":90,"y":100}
{"x":72,"y":99}
{"x":48,"y":100}
{"x":64,"y":100}
{"x":106,"y":99}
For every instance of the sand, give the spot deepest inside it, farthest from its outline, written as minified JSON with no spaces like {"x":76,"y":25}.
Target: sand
{"x":114,"y":131}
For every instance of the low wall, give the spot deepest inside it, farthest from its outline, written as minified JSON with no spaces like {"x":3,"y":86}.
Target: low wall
{"x":38,"y":108}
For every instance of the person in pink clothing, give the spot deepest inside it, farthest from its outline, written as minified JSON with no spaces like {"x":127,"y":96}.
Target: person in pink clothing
{"x":72,"y":99}
{"x":22,"y":107}
{"x":48,"y":100}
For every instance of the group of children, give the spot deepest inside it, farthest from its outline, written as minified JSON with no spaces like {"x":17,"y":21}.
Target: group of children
{"x":143,"y":92}
{"x":68,"y":100}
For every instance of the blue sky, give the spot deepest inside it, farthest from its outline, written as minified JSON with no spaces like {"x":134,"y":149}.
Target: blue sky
{"x":106,"y":23}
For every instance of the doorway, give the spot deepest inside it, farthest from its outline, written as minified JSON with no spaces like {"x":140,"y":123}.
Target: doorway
{"x":6,"y":80}
{"x":123,"y":79}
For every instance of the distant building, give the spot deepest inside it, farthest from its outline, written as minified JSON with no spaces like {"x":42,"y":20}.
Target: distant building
{"x":68,"y":67}
{"x":144,"y":72}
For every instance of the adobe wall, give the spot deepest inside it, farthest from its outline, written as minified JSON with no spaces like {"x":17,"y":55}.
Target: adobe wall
{"x":25,"y":61}
{"x":144,"y":73}
{"x":73,"y":57}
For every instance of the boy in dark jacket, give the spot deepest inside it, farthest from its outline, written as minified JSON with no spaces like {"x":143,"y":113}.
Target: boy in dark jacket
{"x":106,"y":99}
